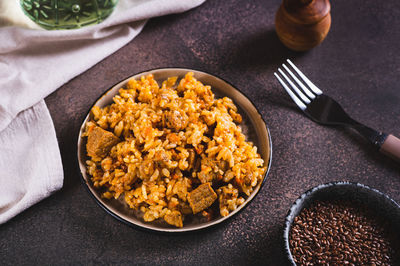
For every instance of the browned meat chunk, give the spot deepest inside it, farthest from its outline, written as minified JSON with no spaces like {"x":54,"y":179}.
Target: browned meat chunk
{"x":174,"y":218}
{"x":191,"y":159}
{"x":162,"y":158}
{"x":246,"y":182}
{"x":206,"y":177}
{"x":100,"y":142}
{"x":207,"y":173}
{"x":201,"y":198}
{"x":228,"y":199}
{"x":176,"y":119}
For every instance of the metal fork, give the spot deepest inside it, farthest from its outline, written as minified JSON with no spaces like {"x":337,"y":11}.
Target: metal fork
{"x":326,"y":111}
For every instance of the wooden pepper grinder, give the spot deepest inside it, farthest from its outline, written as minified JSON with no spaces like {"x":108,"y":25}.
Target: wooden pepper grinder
{"x":303,"y":24}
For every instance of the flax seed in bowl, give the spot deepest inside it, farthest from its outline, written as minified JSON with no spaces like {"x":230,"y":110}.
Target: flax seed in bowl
{"x":343,"y":223}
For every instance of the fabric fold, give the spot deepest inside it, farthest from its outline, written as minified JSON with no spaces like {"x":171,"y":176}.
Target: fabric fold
{"x":30,"y":161}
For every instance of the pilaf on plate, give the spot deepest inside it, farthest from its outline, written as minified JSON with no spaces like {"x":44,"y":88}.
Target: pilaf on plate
{"x":172,"y":150}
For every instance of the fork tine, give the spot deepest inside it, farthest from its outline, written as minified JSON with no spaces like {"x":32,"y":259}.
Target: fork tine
{"x":306,"y":80}
{"x":297,"y":101}
{"x":294,"y":87}
{"x":305,"y":89}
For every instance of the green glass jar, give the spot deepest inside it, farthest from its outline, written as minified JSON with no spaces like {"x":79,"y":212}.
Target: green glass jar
{"x":67,"y":14}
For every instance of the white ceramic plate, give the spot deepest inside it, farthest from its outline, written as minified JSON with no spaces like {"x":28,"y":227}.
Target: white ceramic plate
{"x":253,"y":127}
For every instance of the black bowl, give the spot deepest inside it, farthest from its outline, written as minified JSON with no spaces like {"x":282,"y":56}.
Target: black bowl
{"x":374,"y":200}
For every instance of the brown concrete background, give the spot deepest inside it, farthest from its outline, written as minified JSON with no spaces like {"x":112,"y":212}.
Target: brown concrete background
{"x":358,"y":64}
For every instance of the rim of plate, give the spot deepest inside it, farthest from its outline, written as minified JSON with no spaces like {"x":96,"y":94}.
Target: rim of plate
{"x":136,"y":222}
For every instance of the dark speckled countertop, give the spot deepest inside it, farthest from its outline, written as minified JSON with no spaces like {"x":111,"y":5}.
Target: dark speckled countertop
{"x":358,"y":64}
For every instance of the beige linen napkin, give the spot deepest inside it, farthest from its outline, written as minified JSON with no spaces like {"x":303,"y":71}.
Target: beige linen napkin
{"x":33,"y":64}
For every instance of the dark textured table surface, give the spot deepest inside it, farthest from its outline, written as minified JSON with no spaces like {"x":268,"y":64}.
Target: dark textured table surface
{"x":358,"y":64}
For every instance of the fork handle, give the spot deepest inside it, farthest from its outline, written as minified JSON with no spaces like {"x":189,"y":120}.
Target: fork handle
{"x":391,"y":147}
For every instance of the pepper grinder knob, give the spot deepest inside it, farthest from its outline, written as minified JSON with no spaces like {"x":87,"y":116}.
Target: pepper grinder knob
{"x":303,"y":24}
